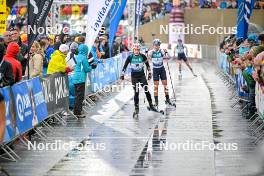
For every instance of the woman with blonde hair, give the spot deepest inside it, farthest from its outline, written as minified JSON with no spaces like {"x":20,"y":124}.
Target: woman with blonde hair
{"x":35,"y":61}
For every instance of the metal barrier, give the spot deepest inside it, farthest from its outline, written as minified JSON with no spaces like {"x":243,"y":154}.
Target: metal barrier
{"x":233,"y":78}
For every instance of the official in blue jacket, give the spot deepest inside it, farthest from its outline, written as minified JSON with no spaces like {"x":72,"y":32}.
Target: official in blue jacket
{"x":81,"y":69}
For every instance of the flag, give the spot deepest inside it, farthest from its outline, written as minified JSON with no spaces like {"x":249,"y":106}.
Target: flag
{"x":37,"y":13}
{"x":245,"y":8}
{"x":3,"y":16}
{"x":97,"y":12}
{"x":117,"y":10}
{"x":138,"y":12}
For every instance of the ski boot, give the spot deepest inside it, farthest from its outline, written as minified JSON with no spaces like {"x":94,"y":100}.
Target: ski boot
{"x":136,"y":112}
{"x":154,"y":109}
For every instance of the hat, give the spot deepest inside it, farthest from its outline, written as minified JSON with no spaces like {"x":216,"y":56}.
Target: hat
{"x":64,"y":48}
{"x":252,"y":38}
{"x":23,"y":37}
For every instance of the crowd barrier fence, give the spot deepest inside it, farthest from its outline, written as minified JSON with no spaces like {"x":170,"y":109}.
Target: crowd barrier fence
{"x":235,"y":74}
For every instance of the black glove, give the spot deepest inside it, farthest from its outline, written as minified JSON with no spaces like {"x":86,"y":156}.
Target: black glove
{"x":149,"y":76}
{"x":93,"y":65}
{"x":122,"y":77}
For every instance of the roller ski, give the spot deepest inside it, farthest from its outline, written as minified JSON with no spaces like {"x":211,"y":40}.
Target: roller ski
{"x":168,"y":102}
{"x":136,"y":112}
{"x":180,"y":76}
{"x":154,"y":109}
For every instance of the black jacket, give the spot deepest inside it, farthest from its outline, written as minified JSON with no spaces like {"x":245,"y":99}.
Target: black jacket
{"x":6,"y":70}
{"x":106,"y":50}
{"x":7,"y":75}
{"x":116,"y":49}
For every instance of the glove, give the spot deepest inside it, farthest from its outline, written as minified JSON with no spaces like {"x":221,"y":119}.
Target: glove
{"x":68,"y":70}
{"x":122,"y":77}
{"x":149,"y":76}
{"x":93,"y":65}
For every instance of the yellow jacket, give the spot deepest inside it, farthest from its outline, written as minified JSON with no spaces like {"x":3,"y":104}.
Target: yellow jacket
{"x":57,"y":63}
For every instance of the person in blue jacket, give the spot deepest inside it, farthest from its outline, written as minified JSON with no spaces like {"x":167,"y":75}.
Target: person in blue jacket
{"x":81,"y":69}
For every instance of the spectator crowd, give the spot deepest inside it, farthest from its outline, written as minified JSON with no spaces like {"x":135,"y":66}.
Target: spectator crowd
{"x":246,"y":56}
{"x":53,"y":54}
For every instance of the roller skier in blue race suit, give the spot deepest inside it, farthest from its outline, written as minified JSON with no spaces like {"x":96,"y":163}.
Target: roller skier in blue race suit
{"x":180,"y":50}
{"x":157,"y":56}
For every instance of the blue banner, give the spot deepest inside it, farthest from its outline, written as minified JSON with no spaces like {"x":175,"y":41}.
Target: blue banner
{"x":9,"y":131}
{"x":116,"y":13}
{"x":112,"y":71}
{"x":39,"y":106}
{"x":23,"y":106}
{"x":244,"y":12}
{"x":240,"y":81}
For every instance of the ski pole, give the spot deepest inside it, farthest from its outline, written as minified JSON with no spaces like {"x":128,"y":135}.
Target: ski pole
{"x":174,"y":95}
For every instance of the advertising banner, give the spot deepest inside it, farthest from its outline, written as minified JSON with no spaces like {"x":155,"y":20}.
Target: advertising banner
{"x":23,"y":107}
{"x":56,"y":92}
{"x":39,"y":107}
{"x":10,"y":124}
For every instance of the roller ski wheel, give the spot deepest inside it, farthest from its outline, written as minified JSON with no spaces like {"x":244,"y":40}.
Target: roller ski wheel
{"x":152,"y":108}
{"x":180,"y":76}
{"x":135,"y":114}
{"x":168,"y":102}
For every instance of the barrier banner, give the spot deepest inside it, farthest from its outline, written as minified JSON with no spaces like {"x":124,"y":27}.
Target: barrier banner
{"x":71,"y":91}
{"x":23,"y":107}
{"x":56,"y":92}
{"x":48,"y":94}
{"x":88,"y":85}
{"x":106,"y":68}
{"x":112,"y":72}
{"x":259,"y":99}
{"x":39,"y":107}
{"x":10,"y":125}
{"x":240,"y":82}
